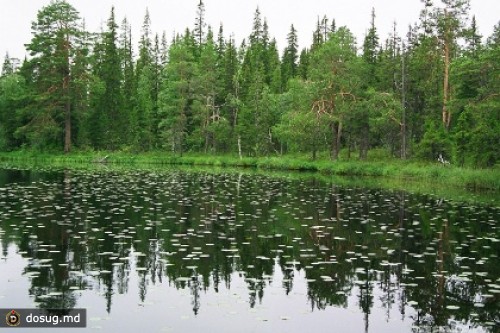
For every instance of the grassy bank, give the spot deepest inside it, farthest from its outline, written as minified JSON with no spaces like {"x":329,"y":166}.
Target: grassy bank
{"x":378,"y":166}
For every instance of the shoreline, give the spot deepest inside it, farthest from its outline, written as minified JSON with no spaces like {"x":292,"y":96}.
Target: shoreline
{"x":465,"y":178}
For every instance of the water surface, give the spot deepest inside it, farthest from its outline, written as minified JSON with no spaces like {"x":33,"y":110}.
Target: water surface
{"x":179,"y":251}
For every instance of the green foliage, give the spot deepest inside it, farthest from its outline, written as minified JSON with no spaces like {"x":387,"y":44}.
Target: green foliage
{"x":203,"y":94}
{"x":55,"y":43}
{"x":14,"y":97}
{"x":177,"y":94}
{"x":435,"y":142}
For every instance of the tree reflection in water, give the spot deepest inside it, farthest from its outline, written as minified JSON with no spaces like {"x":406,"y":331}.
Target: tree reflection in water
{"x":91,"y":231}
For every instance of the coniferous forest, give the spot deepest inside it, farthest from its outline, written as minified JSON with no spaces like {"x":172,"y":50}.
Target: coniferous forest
{"x":428,"y":91}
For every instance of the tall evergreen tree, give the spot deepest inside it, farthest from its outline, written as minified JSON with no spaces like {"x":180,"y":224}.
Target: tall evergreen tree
{"x":206,"y":110}
{"x":450,"y":24}
{"x":200,"y":24}
{"x":8,"y":65}
{"x":273,"y":62}
{"x":473,"y":38}
{"x":108,"y":110}
{"x":290,"y":57}
{"x":53,"y":47}
{"x":370,"y":48}
{"x":144,"y":120}
{"x":129,"y":81}
{"x":303,"y":66}
{"x":177,"y":94}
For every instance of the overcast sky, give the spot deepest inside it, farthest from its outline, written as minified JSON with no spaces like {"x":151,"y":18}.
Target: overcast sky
{"x":175,"y":15}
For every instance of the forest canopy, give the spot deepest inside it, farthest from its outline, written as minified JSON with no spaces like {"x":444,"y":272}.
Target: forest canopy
{"x":428,"y":92}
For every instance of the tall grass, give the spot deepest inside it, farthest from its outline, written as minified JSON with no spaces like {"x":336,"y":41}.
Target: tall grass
{"x":380,"y":166}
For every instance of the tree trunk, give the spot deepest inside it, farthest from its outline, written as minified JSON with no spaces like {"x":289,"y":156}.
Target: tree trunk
{"x":67,"y":102}
{"x":314,"y":150}
{"x":403,"y":104}
{"x":446,"y":81}
{"x":67,"y":115}
{"x":349,"y":147}
{"x":239,"y":147}
{"x":336,"y":128}
{"x":339,"y":136}
{"x":363,"y":145}
{"x":67,"y":128}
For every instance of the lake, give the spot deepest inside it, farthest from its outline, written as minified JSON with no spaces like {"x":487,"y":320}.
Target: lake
{"x":194,"y":251}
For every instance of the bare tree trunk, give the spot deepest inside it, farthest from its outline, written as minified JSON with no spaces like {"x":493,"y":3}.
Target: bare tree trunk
{"x":336,"y":128}
{"x":403,"y":102}
{"x":333,"y":148}
{"x":67,"y":116}
{"x":446,"y":81}
{"x":67,"y":102}
{"x":363,"y":145}
{"x":67,"y":127}
{"x":239,"y":147}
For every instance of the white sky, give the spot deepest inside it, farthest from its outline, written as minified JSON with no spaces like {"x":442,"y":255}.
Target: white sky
{"x":175,"y":15}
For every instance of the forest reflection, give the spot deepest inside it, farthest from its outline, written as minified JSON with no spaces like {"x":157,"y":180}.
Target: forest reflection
{"x":199,"y":231}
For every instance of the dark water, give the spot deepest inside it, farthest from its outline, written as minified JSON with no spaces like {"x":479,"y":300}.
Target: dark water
{"x":179,"y":251}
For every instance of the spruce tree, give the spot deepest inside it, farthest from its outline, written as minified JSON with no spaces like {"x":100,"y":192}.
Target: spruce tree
{"x":177,"y":94}
{"x":290,"y":57}
{"x":8,"y":65}
{"x":200,"y":25}
{"x":129,"y":82}
{"x":370,"y":48}
{"x":112,"y":99}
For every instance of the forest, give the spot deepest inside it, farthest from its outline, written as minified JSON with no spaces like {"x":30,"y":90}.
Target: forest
{"x":432,"y":91}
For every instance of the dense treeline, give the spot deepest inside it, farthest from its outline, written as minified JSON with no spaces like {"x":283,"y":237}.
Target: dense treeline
{"x":432,"y":92}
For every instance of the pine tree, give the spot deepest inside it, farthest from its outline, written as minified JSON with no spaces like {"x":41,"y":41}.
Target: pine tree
{"x":450,"y":23}
{"x":55,"y":35}
{"x":335,"y":71}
